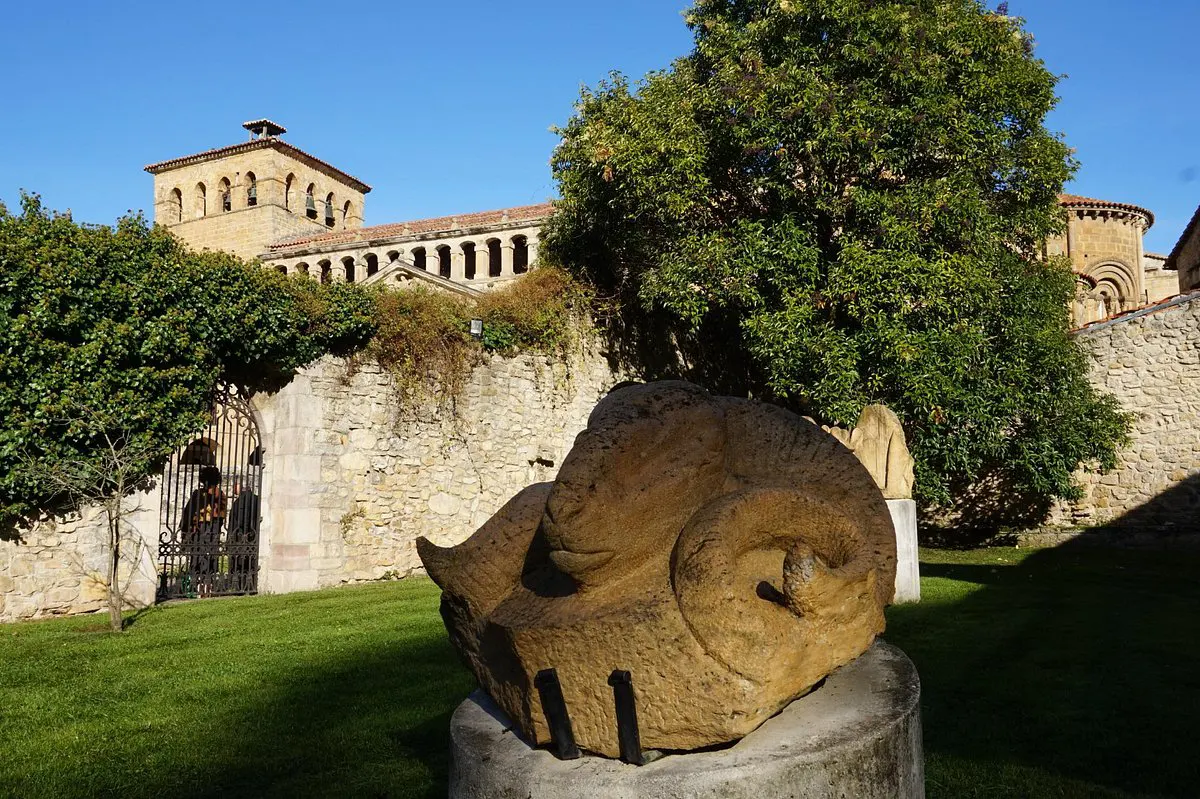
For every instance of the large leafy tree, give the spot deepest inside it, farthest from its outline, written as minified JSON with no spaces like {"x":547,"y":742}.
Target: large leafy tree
{"x":838,"y":202}
{"x":113,"y":338}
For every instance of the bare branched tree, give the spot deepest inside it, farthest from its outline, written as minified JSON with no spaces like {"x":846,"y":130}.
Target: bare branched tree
{"x":105,"y":481}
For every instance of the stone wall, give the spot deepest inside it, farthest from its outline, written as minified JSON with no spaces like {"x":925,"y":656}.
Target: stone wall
{"x":351,"y":478}
{"x":1150,"y":361}
{"x":1160,"y":282}
{"x":58,"y":566}
{"x":357,"y":478}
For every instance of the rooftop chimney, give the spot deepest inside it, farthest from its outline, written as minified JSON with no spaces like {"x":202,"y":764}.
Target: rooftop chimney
{"x":263,"y":129}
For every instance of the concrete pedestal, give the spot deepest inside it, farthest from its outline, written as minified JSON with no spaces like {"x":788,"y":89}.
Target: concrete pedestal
{"x":857,"y":736}
{"x":908,"y":572}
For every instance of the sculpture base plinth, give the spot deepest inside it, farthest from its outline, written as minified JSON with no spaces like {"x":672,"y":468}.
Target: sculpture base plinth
{"x":859,"y":735}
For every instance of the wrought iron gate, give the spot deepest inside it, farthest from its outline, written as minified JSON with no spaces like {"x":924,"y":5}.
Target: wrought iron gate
{"x":211,"y":506}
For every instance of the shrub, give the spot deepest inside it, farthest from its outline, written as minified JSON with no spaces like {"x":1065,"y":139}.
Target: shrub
{"x":422,"y":338}
{"x":128,"y":323}
{"x":544,"y":310}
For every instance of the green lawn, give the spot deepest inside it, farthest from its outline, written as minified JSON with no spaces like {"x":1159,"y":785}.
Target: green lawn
{"x":1064,"y":672}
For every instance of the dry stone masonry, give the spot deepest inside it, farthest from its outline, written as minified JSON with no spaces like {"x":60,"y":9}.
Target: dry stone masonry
{"x":349,"y":485}
{"x":355,"y":480}
{"x":1150,"y":361}
{"x":57,"y":565}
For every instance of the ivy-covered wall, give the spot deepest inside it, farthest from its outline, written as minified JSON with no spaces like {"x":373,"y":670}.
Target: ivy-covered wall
{"x":349,"y":482}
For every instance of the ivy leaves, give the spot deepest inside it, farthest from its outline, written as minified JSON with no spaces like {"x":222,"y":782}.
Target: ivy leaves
{"x":127,"y":323}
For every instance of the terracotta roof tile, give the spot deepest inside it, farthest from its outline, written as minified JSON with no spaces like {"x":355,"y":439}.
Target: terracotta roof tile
{"x":441,"y":224}
{"x":1073,"y":200}
{"x":1137,"y":313}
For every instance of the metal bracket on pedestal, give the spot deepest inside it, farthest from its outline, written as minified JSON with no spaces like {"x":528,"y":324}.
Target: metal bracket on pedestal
{"x":555,"y":708}
{"x":628,"y":736}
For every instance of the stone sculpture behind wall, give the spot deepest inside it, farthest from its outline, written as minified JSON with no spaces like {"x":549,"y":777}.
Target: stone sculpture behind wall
{"x":878,"y":442}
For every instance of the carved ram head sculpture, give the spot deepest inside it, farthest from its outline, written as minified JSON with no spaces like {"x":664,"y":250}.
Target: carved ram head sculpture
{"x":727,"y":553}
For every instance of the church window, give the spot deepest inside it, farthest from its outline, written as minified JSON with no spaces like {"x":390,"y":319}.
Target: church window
{"x":419,"y":259}
{"x":444,"y":261}
{"x":372,"y":263}
{"x":302,"y":268}
{"x":310,"y":203}
{"x":348,"y":268}
{"x":201,"y":200}
{"x":226,"y":196}
{"x":329,"y":210}
{"x":251,"y":190}
{"x":177,"y":205}
{"x":345,"y":214}
{"x":281,"y":269}
{"x":287,"y":191}
{"x":326,"y":271}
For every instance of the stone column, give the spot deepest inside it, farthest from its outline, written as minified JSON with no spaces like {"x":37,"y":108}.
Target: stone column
{"x":458,"y":264}
{"x":506,"y":259}
{"x":531,"y":243}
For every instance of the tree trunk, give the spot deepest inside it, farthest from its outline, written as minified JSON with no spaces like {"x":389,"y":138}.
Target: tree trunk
{"x":114,"y":572}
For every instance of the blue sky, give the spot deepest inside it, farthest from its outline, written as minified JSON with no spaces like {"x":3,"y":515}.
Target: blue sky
{"x":446,"y":107}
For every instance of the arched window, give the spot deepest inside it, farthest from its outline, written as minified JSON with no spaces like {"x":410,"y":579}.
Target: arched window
{"x":251,"y":190}
{"x":326,"y":271}
{"x":201,"y":200}
{"x":176,"y":205}
{"x":225,"y":194}
{"x":469,"y":263}
{"x":419,"y":259}
{"x":329,"y":210}
{"x":345,"y":214}
{"x":520,"y":255}
{"x":444,"y":261}
{"x":1115,"y":288}
{"x":310,"y":202}
{"x":302,"y":269}
{"x":287,"y":191}
{"x":281,"y":269}
{"x":494,"y":256}
{"x":348,"y":268}
{"x":394,"y":256}
{"x":372,"y":263}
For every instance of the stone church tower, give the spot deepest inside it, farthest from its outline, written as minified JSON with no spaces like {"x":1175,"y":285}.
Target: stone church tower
{"x":244,"y":197}
{"x":1113,"y":271}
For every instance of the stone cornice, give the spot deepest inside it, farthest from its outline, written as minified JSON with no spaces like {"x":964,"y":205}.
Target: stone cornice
{"x":260,"y":144}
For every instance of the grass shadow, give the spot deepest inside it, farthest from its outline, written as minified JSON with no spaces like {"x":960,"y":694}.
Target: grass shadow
{"x":1072,"y":671}
{"x":338,"y":693}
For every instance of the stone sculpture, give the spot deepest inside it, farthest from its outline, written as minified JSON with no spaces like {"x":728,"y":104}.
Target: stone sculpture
{"x":727,"y":553}
{"x":878,"y":442}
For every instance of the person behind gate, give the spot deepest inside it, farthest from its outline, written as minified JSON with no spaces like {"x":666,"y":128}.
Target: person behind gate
{"x":203,"y":517}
